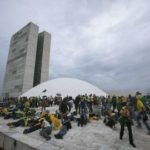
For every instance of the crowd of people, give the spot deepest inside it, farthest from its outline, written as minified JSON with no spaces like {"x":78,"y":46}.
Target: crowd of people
{"x":128,"y":111}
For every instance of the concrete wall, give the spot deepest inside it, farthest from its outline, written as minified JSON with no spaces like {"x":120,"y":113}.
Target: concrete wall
{"x":30,"y":59}
{"x":27,"y":48}
{"x":21,"y":61}
{"x":41,"y":73}
{"x":45,"y":57}
{"x":8,"y":143}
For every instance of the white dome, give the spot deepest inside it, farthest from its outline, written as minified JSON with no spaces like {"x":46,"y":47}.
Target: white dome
{"x":64,"y":86}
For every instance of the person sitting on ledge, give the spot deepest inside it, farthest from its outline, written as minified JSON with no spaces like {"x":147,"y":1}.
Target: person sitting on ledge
{"x":46,"y":128}
{"x":65,"y":127}
{"x":34,"y":125}
{"x":110,"y":120}
{"x":22,"y":122}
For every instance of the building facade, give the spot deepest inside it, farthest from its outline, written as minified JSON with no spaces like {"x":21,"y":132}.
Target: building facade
{"x":28,"y":60}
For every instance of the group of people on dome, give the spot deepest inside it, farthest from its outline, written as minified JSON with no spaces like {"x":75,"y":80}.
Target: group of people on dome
{"x":127,"y":111}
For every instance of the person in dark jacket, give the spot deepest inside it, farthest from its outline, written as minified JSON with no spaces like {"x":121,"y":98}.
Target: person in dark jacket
{"x":110,"y":120}
{"x":76,"y":103}
{"x":34,"y":125}
{"x":63,"y":108}
{"x":83,"y":112}
{"x":65,"y":127}
{"x":22,"y":122}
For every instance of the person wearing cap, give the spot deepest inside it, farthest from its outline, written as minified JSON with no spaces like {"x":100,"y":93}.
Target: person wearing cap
{"x":126,"y":121}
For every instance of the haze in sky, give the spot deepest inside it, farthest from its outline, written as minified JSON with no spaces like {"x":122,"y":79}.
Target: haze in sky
{"x":104,"y":42}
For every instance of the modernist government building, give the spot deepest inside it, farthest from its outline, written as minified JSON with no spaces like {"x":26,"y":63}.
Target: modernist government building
{"x":28,"y":60}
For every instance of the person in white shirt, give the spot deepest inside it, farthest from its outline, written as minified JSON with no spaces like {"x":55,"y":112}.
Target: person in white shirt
{"x":46,"y":128}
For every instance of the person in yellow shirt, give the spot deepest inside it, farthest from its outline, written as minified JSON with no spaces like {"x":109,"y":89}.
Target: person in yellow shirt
{"x":141,"y":112}
{"x":139,"y":105}
{"x":125,"y":120}
{"x":4,"y":111}
{"x":55,"y":122}
{"x":123,"y":100}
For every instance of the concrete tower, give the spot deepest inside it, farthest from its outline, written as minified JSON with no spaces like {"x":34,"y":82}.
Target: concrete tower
{"x":28,"y":60}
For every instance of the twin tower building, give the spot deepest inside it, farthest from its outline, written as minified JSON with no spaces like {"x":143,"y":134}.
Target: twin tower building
{"x":28,"y":60}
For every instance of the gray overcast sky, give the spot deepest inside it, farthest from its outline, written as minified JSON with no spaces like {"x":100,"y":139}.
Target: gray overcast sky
{"x":105,"y":42}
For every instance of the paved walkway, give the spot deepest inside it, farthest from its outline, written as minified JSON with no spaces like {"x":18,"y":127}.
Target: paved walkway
{"x":93,"y":136}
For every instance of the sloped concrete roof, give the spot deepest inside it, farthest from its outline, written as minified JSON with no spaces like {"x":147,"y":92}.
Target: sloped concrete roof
{"x":64,"y":86}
